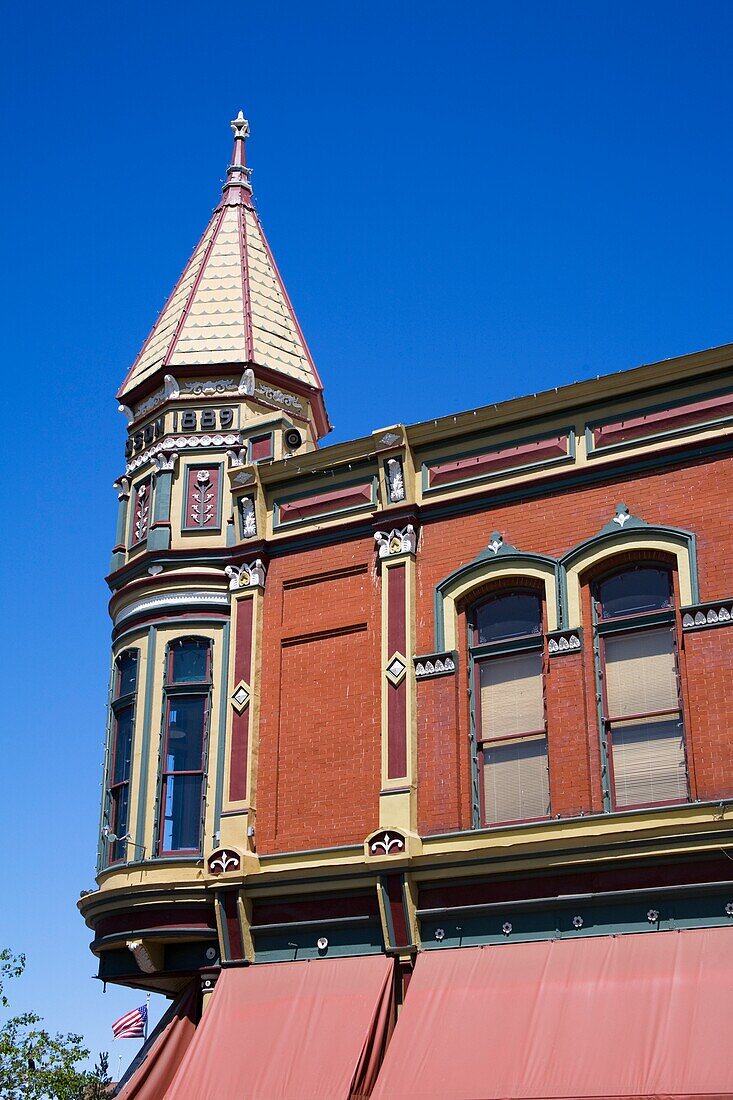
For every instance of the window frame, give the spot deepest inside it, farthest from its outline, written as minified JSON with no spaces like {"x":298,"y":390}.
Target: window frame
{"x":117,"y":849}
{"x":481,"y":652}
{"x":624,"y":625}
{"x":172,"y":690}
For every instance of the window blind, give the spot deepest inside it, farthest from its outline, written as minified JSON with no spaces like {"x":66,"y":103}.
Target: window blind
{"x":516,"y":781}
{"x":648,"y":762}
{"x":511,"y":695}
{"x":641,"y":677}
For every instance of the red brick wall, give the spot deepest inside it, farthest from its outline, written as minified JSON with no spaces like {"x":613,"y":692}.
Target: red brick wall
{"x":686,"y":497}
{"x":320,"y":725}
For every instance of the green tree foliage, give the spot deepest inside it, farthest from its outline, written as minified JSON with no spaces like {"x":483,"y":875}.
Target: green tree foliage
{"x":36,"y":1065}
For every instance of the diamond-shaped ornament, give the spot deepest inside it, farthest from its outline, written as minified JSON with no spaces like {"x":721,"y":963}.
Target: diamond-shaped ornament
{"x":396,"y":668}
{"x":240,"y":696}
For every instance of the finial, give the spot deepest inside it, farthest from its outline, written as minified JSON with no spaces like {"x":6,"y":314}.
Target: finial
{"x":240,"y":126}
{"x":237,"y":188}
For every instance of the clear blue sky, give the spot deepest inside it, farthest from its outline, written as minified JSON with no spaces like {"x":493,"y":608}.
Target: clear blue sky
{"x":468,"y":201}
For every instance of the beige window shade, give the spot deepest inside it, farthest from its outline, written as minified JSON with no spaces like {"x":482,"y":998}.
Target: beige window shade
{"x":516,"y":783}
{"x":641,"y":677}
{"x":511,"y":695}
{"x":648,"y":762}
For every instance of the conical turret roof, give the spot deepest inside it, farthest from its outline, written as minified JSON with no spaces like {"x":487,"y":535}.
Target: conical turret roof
{"x":230,"y":306}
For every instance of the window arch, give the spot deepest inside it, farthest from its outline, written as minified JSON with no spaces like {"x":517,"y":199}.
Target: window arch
{"x":637,"y":663}
{"x":124,"y":693}
{"x":506,"y":643}
{"x":187,"y":705}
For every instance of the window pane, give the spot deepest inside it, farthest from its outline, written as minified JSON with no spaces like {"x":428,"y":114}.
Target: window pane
{"x":123,"y":745}
{"x":508,"y":617}
{"x":641,"y":676}
{"x":119,"y":813}
{"x":516,"y":782}
{"x":648,"y":762}
{"x":635,"y":591}
{"x":189,"y":664}
{"x":185,"y":742}
{"x":181,"y":813}
{"x":127,"y":673}
{"x":511,"y":695}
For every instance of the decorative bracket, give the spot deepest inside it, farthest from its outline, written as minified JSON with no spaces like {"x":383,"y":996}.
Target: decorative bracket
{"x":432,"y":665}
{"x":396,"y":541}
{"x":704,"y":615}
{"x":247,"y":575}
{"x":564,"y":641}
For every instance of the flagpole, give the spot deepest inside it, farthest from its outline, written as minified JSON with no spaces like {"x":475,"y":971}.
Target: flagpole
{"x":147,"y":1016}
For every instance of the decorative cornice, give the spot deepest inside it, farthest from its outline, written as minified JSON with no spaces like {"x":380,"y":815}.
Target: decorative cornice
{"x":172,"y":599}
{"x":185,"y":442}
{"x":431,"y":665}
{"x":702,"y":616}
{"x":560,"y":642}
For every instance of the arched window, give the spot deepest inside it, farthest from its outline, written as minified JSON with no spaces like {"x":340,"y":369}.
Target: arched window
{"x":183,"y":758}
{"x":641,"y":709}
{"x":124,"y":691}
{"x":507,"y":652}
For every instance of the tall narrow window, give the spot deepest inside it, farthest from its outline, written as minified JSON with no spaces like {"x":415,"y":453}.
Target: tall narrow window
{"x":641,"y":706}
{"x":509,"y":715}
{"x":118,"y":778}
{"x":187,"y":695}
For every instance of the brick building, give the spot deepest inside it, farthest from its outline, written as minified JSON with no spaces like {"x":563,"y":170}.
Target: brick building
{"x":387,"y":705}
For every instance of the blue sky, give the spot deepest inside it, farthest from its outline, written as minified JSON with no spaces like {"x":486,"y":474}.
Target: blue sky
{"x":468,"y":201}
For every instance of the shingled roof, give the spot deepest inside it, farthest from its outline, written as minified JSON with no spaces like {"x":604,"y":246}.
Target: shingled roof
{"x":229,"y":306}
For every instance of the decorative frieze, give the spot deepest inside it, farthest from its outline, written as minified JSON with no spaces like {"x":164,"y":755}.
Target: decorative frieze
{"x":223,"y":861}
{"x":203,"y":441}
{"x":387,"y":842}
{"x":278,"y":397}
{"x":397,"y":541}
{"x":248,"y":575}
{"x":678,"y":419}
{"x":705,"y":615}
{"x":431,"y":665}
{"x":499,"y":460}
{"x":247,"y":518}
{"x":203,"y":497}
{"x":195,"y":600}
{"x":395,"y":480}
{"x":564,"y":641}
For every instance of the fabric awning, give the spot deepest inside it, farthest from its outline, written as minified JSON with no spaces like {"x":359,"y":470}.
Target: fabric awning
{"x":153,"y":1069}
{"x":312,"y":1030}
{"x":645,"y":1015}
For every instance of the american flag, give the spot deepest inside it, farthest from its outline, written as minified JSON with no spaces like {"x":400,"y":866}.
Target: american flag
{"x":132,"y":1025}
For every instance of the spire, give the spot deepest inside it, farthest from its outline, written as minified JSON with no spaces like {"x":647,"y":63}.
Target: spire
{"x":237,"y":188}
{"x":230,"y":307}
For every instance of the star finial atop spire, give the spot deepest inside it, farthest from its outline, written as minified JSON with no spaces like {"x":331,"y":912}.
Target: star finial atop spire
{"x":238,"y":173}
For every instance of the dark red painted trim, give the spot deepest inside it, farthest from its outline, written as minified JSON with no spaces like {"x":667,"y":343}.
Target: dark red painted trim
{"x":394,"y":890}
{"x":324,"y":503}
{"x":234,"y":930}
{"x":173,"y":916}
{"x":664,"y":420}
{"x":240,"y":722}
{"x":523,"y":454}
{"x":194,"y":289}
{"x":286,"y":912}
{"x":396,"y":694}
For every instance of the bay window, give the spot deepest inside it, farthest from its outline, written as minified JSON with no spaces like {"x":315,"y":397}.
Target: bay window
{"x":641,"y":709}
{"x":118,"y":776}
{"x":183,"y":759}
{"x":507,"y":651}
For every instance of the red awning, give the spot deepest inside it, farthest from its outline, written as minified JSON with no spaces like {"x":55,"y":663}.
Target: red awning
{"x":291,"y":1031}
{"x":646,"y":1015}
{"x":154,"y":1067}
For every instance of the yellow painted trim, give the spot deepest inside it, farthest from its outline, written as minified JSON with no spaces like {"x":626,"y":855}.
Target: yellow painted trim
{"x":498,"y":569}
{"x":635,"y":539}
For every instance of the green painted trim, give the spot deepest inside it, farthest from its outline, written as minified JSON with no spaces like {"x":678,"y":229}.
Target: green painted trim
{"x":145,"y":747}
{"x":281,"y":525}
{"x":386,"y":909}
{"x":159,"y":538}
{"x":105,"y":771}
{"x":526,"y":467}
{"x":515,"y":557}
{"x":605,"y":768}
{"x":223,"y":708}
{"x":162,"y":501}
{"x":122,"y":521}
{"x":219,"y":505}
{"x":687,"y":538}
{"x":674,"y":433}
